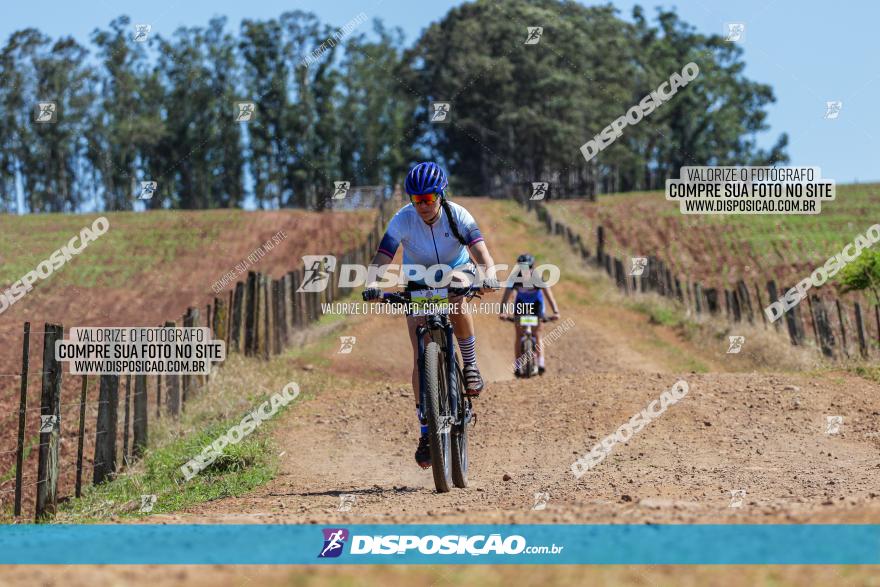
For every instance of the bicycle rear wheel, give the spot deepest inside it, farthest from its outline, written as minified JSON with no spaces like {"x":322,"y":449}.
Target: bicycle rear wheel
{"x":439,"y":418}
{"x":528,"y":352}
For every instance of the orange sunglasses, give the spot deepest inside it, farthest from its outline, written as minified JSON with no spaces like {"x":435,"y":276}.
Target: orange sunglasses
{"x":423,"y":198}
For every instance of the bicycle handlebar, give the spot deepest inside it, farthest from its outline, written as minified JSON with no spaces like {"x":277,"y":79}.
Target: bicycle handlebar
{"x":404,"y":297}
{"x":516,"y":319}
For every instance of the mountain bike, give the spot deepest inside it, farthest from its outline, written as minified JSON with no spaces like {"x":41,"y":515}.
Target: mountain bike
{"x":528,"y":342}
{"x":441,"y":383}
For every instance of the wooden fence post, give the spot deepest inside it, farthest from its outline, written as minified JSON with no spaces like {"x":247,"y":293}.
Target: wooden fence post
{"x":126,"y":454}
{"x":190,"y":320}
{"x":760,"y":303}
{"x":860,"y":330}
{"x":250,"y":326}
{"x":220,"y":319}
{"x":260,"y":317}
{"x":317,"y":298}
{"x":330,"y":292}
{"x":736,"y":306}
{"x":239,"y":308}
{"x":712,"y":300}
{"x":660,"y":276}
{"x":50,"y":425}
{"x":813,"y":322}
{"x":795,"y":324}
{"x":158,"y":395}
{"x":196,"y":322}
{"x":296,"y":300}
{"x":282,"y":314}
{"x":272,"y":315}
{"x":229,"y":307}
{"x":842,"y":318}
{"x":81,"y":438}
{"x":698,"y":298}
{"x":172,"y":394}
{"x":600,"y":246}
{"x":22,"y":411}
{"x":287,"y":303}
{"x":267,"y":338}
{"x":105,"y":433}
{"x":620,"y":276}
{"x":824,"y":333}
{"x":877,"y":318}
{"x":774,"y":295}
{"x":745,"y":301}
{"x":140,"y":416}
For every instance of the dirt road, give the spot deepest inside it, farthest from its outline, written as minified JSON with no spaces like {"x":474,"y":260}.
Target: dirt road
{"x":764,"y":434}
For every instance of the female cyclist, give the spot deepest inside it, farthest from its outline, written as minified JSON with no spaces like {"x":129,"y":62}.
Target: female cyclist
{"x":435,"y":231}
{"x":529,"y":302}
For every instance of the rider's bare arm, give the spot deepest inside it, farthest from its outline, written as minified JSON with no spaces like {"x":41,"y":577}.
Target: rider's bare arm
{"x":483,"y":259}
{"x":504,"y":297}
{"x":551,"y":299}
{"x":379,"y":259}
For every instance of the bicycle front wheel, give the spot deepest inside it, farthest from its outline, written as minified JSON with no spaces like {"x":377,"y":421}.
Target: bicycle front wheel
{"x":439,"y":418}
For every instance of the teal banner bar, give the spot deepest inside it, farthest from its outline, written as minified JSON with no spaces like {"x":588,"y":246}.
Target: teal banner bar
{"x":439,"y":544}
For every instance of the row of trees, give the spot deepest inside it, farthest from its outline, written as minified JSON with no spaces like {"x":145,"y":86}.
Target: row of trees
{"x":163,"y":110}
{"x":523,"y":111}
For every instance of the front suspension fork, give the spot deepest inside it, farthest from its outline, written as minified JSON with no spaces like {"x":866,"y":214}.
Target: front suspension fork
{"x":451,"y":371}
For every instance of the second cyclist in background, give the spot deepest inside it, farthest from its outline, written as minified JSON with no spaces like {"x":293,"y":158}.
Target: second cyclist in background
{"x":529,"y":300}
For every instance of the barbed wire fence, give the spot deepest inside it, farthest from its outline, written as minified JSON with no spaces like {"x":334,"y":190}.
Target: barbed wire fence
{"x":840,"y":330}
{"x":74,"y":436}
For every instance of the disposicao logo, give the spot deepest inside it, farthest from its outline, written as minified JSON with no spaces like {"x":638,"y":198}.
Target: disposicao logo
{"x":334,"y":540}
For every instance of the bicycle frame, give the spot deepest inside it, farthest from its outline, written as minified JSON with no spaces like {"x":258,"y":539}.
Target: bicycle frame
{"x":527,"y":333}
{"x":440,"y":329}
{"x":527,"y":330}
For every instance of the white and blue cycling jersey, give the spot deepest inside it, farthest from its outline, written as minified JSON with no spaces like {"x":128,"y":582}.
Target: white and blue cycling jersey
{"x":430,"y":244}
{"x":529,"y":300}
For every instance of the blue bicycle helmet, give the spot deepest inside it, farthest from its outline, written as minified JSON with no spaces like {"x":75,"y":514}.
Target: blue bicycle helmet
{"x":425,"y":178}
{"x":526,"y":258}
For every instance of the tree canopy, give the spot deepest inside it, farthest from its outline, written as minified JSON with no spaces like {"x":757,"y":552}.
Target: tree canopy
{"x":355,"y":105}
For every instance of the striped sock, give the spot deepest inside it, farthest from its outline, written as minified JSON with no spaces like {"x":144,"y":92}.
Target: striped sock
{"x":468,"y":348}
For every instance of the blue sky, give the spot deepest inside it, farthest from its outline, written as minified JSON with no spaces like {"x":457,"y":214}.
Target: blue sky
{"x":809,"y":52}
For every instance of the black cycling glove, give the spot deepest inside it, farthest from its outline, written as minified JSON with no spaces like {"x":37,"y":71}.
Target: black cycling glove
{"x":491,"y":283}
{"x":371,"y":293}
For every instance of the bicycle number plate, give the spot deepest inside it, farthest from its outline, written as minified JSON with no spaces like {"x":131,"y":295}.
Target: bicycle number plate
{"x":430,"y":301}
{"x":528,"y":320}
